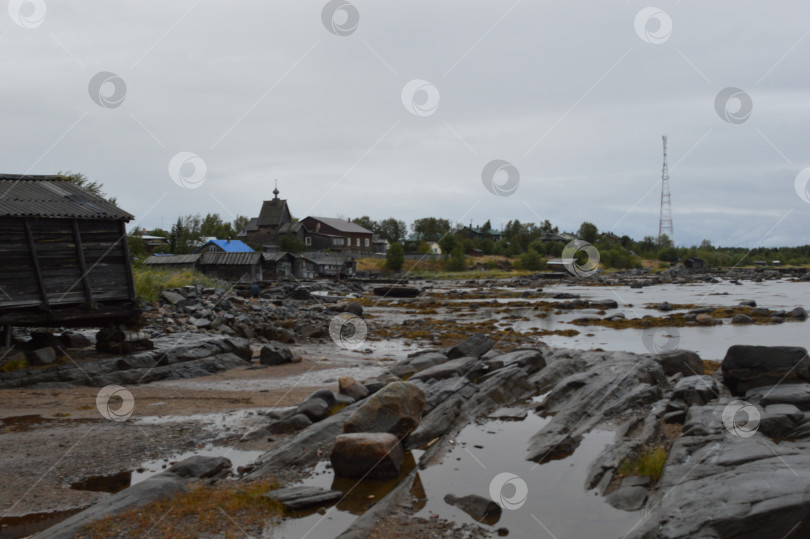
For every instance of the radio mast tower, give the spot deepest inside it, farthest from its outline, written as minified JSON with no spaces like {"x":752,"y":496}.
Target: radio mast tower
{"x":665,"y":221}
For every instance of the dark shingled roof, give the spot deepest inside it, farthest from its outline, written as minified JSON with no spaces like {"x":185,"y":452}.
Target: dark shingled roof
{"x":53,"y":196}
{"x":272,"y":213}
{"x":343,"y":226}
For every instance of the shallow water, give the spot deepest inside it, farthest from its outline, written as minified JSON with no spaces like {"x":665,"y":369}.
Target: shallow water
{"x":556,"y":503}
{"x":710,"y":342}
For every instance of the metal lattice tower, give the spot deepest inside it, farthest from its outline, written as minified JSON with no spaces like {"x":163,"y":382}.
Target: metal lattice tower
{"x":665,"y":221}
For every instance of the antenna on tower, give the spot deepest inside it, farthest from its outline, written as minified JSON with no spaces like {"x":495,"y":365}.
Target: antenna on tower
{"x":665,"y":221}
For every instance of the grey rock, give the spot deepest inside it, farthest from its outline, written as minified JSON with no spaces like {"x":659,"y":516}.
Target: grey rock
{"x":746,"y":366}
{"x":354,"y":308}
{"x":352,"y":388}
{"x":478,"y":507}
{"x":680,"y":361}
{"x":326,"y":395}
{"x":719,"y":485}
{"x":629,"y":496}
{"x":797,"y":395}
{"x":314,"y":409}
{"x":158,"y":487}
{"x":455,"y":367}
{"x":75,"y":340}
{"x":748,"y":303}
{"x":742,"y":319}
{"x":301,"y":497}
{"x":41,"y":356}
{"x":475,"y":346}
{"x":798,"y":312}
{"x":172,"y":297}
{"x":377,"y":455}
{"x":275,"y":354}
{"x":696,"y":390}
{"x":394,"y":409}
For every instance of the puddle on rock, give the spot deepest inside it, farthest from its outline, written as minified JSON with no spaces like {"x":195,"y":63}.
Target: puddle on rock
{"x":26,"y":525}
{"x":237,"y":457}
{"x":104,"y":483}
{"x":556,"y":495}
{"x":358,"y":497}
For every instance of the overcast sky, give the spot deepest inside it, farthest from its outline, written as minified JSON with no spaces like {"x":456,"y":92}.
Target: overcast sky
{"x":574,"y":95}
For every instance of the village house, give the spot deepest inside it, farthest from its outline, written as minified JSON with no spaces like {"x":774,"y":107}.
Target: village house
{"x":336,"y":234}
{"x":64,"y":258}
{"x":477,"y":233}
{"x":244,"y":267}
{"x":224,"y":246}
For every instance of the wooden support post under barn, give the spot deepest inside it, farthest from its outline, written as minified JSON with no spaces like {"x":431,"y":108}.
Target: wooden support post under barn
{"x":64,"y":259}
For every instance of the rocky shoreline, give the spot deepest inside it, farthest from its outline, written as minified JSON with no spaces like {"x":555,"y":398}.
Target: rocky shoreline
{"x":400,"y":425}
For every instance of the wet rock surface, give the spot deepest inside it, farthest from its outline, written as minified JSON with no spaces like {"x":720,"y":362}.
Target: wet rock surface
{"x":395,"y":409}
{"x":172,"y":481}
{"x":376,"y":455}
{"x":746,"y":367}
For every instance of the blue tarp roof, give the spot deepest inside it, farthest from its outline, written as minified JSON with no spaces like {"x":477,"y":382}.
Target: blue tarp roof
{"x":230,"y":246}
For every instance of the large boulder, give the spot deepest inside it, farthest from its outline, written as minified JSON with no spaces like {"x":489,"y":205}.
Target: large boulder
{"x":746,"y":367}
{"x":395,"y":409}
{"x":695,"y":390}
{"x":475,"y":346}
{"x":368,"y":455}
{"x":680,"y":361}
{"x":352,"y":388}
{"x":275,"y":354}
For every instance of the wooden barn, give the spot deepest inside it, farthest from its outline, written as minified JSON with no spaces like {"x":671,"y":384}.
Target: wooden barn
{"x":64,"y":257}
{"x":234,"y":267}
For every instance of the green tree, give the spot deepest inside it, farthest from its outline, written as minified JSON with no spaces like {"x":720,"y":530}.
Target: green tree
{"x":395,"y":257}
{"x":670,"y":254}
{"x":486,"y":227}
{"x":212,"y":225}
{"x":291,"y":243}
{"x":457,"y":262}
{"x":431,"y":228}
{"x":392,"y":230}
{"x":240,"y":224}
{"x":588,"y":232}
{"x":448,"y":243}
{"x":532,"y":260}
{"x":95,"y":187}
{"x":368,"y":223}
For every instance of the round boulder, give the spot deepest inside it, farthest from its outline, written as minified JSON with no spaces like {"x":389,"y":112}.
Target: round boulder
{"x":395,"y":409}
{"x":369,"y":455}
{"x":275,"y":354}
{"x":353,"y":308}
{"x":351,"y":387}
{"x":742,"y":319}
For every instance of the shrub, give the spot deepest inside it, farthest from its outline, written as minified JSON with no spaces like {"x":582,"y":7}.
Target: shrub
{"x":457,"y":262}
{"x":532,"y":261}
{"x":395,"y":257}
{"x":149,"y":282}
{"x":650,"y":462}
{"x":14,"y":365}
